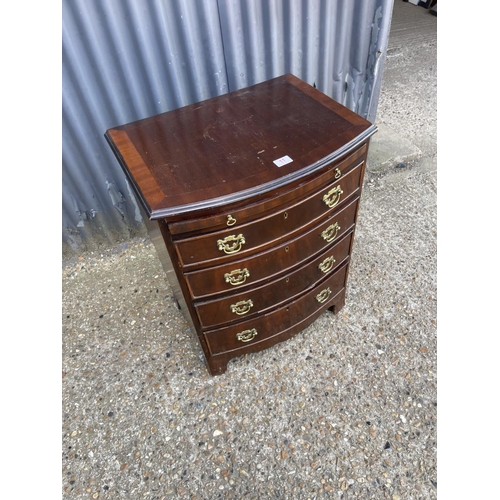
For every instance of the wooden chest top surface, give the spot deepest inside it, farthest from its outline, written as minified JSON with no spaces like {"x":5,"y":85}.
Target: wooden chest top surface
{"x":224,"y":149}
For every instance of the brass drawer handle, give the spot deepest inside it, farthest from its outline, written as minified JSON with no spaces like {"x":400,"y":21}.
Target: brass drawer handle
{"x":246,"y":335}
{"x":242,"y":307}
{"x":327,"y":264}
{"x":323,"y":296}
{"x":237,"y":277}
{"x":231,"y":221}
{"x":330,"y":233}
{"x":338,"y":173}
{"x":333,"y":196}
{"x":231,"y":244}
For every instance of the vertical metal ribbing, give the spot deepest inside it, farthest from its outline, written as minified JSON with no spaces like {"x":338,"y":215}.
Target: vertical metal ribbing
{"x":127,"y":59}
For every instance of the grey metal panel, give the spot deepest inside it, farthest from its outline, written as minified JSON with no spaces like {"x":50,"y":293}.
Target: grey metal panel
{"x":332,"y":44}
{"x":124,"y":60}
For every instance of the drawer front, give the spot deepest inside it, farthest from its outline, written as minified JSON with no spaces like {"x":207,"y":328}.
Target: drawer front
{"x":255,"y":301}
{"x":271,"y":263}
{"x":230,"y":244}
{"x":238,"y":216}
{"x":255,"y":330}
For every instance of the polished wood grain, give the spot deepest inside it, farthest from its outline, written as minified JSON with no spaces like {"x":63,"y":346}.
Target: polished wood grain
{"x":289,"y":194}
{"x":271,"y":263}
{"x":256,"y":251}
{"x":217,"y":364}
{"x":271,"y":324}
{"x":222,"y":149}
{"x":265,"y":297}
{"x":268,"y":231}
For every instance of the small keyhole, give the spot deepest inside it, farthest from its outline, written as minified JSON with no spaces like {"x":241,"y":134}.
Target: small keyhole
{"x":286,"y":249}
{"x":285,"y":215}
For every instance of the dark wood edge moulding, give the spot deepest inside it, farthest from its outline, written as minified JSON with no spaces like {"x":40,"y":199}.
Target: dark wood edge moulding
{"x":115,"y":136}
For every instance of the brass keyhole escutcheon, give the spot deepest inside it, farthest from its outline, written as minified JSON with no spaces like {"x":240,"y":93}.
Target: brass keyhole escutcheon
{"x":237,"y":276}
{"x":330,"y":233}
{"x":246,"y":335}
{"x":333,"y":196}
{"x":241,"y":307}
{"x":285,"y":215}
{"x":231,"y":244}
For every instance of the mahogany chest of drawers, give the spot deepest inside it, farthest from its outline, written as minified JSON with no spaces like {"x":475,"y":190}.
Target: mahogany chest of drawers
{"x":251,"y":200}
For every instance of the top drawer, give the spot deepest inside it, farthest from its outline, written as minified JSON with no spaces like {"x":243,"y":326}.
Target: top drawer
{"x":235,"y":218}
{"x":230,"y":244}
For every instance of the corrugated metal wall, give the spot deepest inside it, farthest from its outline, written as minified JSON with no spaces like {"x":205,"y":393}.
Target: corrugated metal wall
{"x":124,"y":60}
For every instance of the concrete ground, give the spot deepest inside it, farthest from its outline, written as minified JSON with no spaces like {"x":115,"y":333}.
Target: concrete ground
{"x":346,"y":409}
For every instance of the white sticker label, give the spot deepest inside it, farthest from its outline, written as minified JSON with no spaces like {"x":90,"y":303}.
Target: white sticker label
{"x":282,"y":161}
